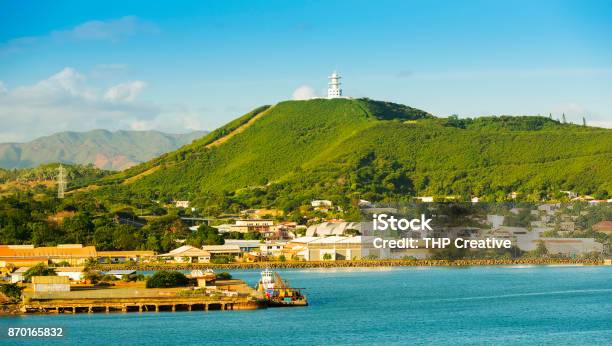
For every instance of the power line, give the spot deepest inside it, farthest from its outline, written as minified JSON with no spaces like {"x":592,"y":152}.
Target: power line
{"x":61,"y":182}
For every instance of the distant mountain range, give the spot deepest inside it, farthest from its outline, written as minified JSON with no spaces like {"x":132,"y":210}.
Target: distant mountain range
{"x":105,"y":149}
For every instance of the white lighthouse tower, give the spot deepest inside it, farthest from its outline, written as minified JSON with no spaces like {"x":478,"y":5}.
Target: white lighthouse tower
{"x":334,"y":90}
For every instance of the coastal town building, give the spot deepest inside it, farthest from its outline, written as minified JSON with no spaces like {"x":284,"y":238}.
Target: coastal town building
{"x":425,"y":199}
{"x":222,"y":250}
{"x":603,"y":227}
{"x":274,"y":249}
{"x":72,"y":273}
{"x":50,"y":284}
{"x":28,"y":255}
{"x":225,"y":228}
{"x":248,"y":225}
{"x":334,"y":248}
{"x":125,"y":256}
{"x":334,"y":228}
{"x":321,"y":203}
{"x":244,"y":245}
{"x":571,"y":246}
{"x":187,"y":254}
{"x":18,"y":275}
{"x":181,"y":204}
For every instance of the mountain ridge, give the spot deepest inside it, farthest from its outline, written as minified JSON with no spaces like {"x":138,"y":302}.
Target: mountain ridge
{"x":112,"y":150}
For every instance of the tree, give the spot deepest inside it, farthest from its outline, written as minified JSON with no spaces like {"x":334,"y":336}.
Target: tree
{"x":541,"y":249}
{"x":165,"y":279}
{"x":205,"y":235}
{"x":12,"y":292}
{"x":92,"y":276}
{"x":351,"y":232}
{"x":223,"y":276}
{"x":38,"y":270}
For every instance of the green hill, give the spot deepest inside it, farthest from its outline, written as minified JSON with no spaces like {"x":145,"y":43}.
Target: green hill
{"x":107,"y":150}
{"x":344,"y":149}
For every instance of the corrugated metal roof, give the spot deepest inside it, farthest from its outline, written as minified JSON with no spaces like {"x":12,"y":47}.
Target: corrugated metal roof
{"x":125,"y":253}
{"x":56,"y":252}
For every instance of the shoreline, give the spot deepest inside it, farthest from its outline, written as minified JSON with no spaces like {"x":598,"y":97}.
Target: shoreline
{"x":347,"y":264}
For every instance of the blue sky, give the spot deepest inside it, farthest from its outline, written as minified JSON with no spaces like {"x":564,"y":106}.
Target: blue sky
{"x":180,"y":66}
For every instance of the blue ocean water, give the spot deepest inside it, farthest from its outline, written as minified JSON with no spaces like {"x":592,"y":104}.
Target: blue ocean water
{"x":475,"y":305}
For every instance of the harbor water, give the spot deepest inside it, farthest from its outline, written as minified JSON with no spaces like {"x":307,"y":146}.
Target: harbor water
{"x":423,"y":305}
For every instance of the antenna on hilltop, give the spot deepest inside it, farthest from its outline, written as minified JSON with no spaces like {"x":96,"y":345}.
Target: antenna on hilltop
{"x":61,"y":182}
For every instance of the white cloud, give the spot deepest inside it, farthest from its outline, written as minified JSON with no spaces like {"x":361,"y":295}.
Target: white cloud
{"x":98,"y":30}
{"x":574,"y":112}
{"x":111,"y":30}
{"x":70,"y":101}
{"x":303,"y":92}
{"x":67,"y":101}
{"x":126,"y":92}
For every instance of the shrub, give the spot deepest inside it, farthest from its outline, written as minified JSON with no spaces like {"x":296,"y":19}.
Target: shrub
{"x":38,"y":270}
{"x":93,"y":276}
{"x":222,"y":259}
{"x":165,"y":279}
{"x":108,"y":277}
{"x":224,"y":276}
{"x":12,"y":292}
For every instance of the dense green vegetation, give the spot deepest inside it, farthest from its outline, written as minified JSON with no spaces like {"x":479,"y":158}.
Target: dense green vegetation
{"x":105,"y":149}
{"x":166,"y":279}
{"x":296,"y":151}
{"x":12,"y":292}
{"x":77,"y":175}
{"x":348,"y":149}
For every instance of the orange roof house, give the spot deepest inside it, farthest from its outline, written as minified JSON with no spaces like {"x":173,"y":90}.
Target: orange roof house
{"x":603,"y":226}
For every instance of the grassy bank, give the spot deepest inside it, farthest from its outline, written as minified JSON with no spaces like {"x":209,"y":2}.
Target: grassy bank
{"x":349,"y":264}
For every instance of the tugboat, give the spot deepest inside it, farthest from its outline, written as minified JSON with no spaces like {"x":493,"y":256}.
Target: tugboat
{"x":277,"y":293}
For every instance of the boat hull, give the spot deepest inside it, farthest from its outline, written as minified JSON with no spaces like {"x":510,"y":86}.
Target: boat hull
{"x":282,"y":304}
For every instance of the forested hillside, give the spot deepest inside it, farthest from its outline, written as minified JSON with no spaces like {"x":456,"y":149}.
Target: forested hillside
{"x":344,"y":149}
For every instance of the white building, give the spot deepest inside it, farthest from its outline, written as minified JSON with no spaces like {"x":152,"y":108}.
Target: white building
{"x":333,"y":228}
{"x":181,"y":204}
{"x":334,"y":91}
{"x":335,"y":248}
{"x":72,"y":273}
{"x":321,"y":203}
{"x":244,"y":245}
{"x":18,"y":275}
{"x":571,"y":246}
{"x":189,"y":254}
{"x":272,"y":249}
{"x":425,"y":199}
{"x":51,"y":284}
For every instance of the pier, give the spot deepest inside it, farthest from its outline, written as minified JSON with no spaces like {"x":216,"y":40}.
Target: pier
{"x":137,"y":305}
